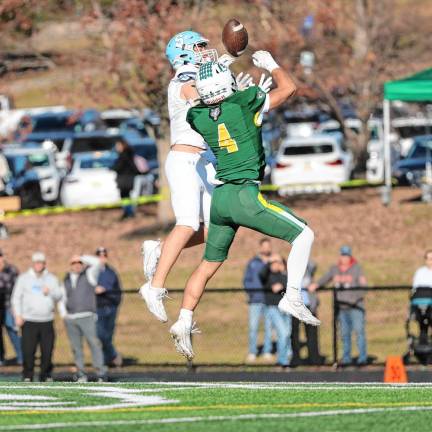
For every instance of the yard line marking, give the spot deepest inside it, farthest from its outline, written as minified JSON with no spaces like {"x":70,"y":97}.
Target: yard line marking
{"x":77,"y":425}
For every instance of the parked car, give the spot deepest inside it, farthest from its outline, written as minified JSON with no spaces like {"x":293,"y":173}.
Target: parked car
{"x":411,"y":169}
{"x":303,"y":123}
{"x":56,"y":127}
{"x":43,"y":163}
{"x":102,"y":141}
{"x":84,"y":142}
{"x":113,"y":118}
{"x":90,"y":181}
{"x":311,"y":164}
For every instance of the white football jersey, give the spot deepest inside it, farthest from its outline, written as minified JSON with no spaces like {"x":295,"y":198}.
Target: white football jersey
{"x":181,"y":132}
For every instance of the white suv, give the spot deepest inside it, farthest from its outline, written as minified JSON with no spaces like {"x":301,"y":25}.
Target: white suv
{"x":314,"y":164}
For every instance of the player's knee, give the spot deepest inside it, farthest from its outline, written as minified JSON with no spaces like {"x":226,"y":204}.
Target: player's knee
{"x":189,"y":222}
{"x":306,"y":237}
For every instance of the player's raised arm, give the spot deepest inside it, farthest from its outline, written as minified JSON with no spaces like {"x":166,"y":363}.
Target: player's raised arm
{"x":285,"y":85}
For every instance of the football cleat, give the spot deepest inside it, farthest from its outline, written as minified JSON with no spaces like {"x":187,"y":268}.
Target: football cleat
{"x":150,"y":250}
{"x":297,"y":309}
{"x":181,"y":333}
{"x":154,"y":300}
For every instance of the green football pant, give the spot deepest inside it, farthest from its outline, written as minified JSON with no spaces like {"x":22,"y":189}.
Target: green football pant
{"x":235,"y":205}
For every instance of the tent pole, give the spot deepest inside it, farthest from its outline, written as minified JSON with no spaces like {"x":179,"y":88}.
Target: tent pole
{"x":387,"y":153}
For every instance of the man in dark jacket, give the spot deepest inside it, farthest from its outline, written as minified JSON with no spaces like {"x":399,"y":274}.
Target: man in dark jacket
{"x":347,"y":274}
{"x":274,"y":278}
{"x":8,"y":276}
{"x":257,"y":308}
{"x":126,"y":171}
{"x":108,"y":298}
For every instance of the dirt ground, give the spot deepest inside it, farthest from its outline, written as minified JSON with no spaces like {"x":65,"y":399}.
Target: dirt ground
{"x":388,"y":242}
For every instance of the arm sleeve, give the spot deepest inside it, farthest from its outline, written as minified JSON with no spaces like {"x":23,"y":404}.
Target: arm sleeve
{"x":326,"y":278}
{"x":416,"y":281}
{"x":94,"y":268}
{"x":56,"y":292}
{"x":16,"y":298}
{"x":264,"y":274}
{"x":61,"y":305}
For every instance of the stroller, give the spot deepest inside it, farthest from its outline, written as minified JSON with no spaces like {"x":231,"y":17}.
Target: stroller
{"x":420,"y":319}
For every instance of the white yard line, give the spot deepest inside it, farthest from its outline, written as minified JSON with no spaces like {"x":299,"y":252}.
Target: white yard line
{"x":75,"y":425}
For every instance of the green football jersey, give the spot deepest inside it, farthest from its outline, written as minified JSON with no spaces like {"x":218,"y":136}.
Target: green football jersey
{"x":232,"y":129}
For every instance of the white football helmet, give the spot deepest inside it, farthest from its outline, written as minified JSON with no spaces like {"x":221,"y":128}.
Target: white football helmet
{"x":214,"y":83}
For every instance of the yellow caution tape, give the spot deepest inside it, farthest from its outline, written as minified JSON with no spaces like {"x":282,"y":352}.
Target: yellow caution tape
{"x":60,"y":209}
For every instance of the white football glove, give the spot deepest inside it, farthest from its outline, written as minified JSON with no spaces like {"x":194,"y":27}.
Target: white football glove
{"x":244,"y":81}
{"x":264,"y":60}
{"x":265,"y":83}
{"x":226,"y":60}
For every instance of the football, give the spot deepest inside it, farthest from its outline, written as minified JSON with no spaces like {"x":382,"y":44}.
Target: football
{"x":235,"y":37}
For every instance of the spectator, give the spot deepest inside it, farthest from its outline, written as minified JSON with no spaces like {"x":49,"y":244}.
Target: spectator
{"x":257,"y":308}
{"x":8,"y":276}
{"x":274,"y":277}
{"x":33,"y":303}
{"x":4,"y":173}
{"x":79,"y":311}
{"x":311,"y":301}
{"x":350,"y":303}
{"x":108,"y":298}
{"x":423,"y":275}
{"x":126,"y":171}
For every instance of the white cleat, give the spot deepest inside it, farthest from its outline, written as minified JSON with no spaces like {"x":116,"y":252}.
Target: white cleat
{"x":154,"y":300}
{"x":150,"y":250}
{"x":181,"y":333}
{"x":297,"y":309}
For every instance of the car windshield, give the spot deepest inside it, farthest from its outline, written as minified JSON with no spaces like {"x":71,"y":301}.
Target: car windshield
{"x":411,"y":131}
{"x":18,"y":163}
{"x":419,"y":149}
{"x":307,"y":149}
{"x":89,"y":144}
{"x":53,"y":123}
{"x":100,"y":162}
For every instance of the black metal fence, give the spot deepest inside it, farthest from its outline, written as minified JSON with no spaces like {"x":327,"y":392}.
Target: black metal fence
{"x":222,"y":317}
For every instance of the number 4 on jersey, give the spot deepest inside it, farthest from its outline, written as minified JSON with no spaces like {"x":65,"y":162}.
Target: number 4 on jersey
{"x":225,"y":140}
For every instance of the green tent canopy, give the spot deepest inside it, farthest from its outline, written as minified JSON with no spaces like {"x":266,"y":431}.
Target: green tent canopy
{"x":417,"y":87}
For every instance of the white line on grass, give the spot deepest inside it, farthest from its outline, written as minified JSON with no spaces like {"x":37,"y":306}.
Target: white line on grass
{"x":198,"y":419}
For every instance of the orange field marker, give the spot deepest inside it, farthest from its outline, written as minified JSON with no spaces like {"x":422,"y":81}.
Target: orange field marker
{"x":395,"y":370}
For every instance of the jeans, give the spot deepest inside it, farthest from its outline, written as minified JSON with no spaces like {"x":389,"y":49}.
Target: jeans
{"x":105,"y":330}
{"x":282,"y":324}
{"x":353,"y":320}
{"x":256,"y":312}
{"x":9,"y":323}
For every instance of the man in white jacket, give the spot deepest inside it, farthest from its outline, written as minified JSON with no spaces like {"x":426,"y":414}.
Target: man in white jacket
{"x":33,"y":303}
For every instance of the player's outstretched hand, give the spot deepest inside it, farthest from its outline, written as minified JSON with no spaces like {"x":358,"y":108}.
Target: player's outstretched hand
{"x":226,"y":60}
{"x":264,"y":60}
{"x":265,"y":83}
{"x":244,"y":81}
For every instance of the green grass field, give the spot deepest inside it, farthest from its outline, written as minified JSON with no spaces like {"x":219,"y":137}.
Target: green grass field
{"x":215,"y":407}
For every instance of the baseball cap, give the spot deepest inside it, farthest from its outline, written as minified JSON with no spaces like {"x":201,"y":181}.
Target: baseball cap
{"x":101,"y":251}
{"x":38,"y":257}
{"x":75,"y":259}
{"x":345,"y":250}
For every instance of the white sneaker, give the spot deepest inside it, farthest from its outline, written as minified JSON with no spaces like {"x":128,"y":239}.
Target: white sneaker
{"x":251,"y":358}
{"x":150,"y":250}
{"x":297,"y":309}
{"x":154,"y":300}
{"x":181,"y":333}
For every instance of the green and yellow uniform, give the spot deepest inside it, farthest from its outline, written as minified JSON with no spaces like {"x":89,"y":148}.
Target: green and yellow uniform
{"x":232,"y":130}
